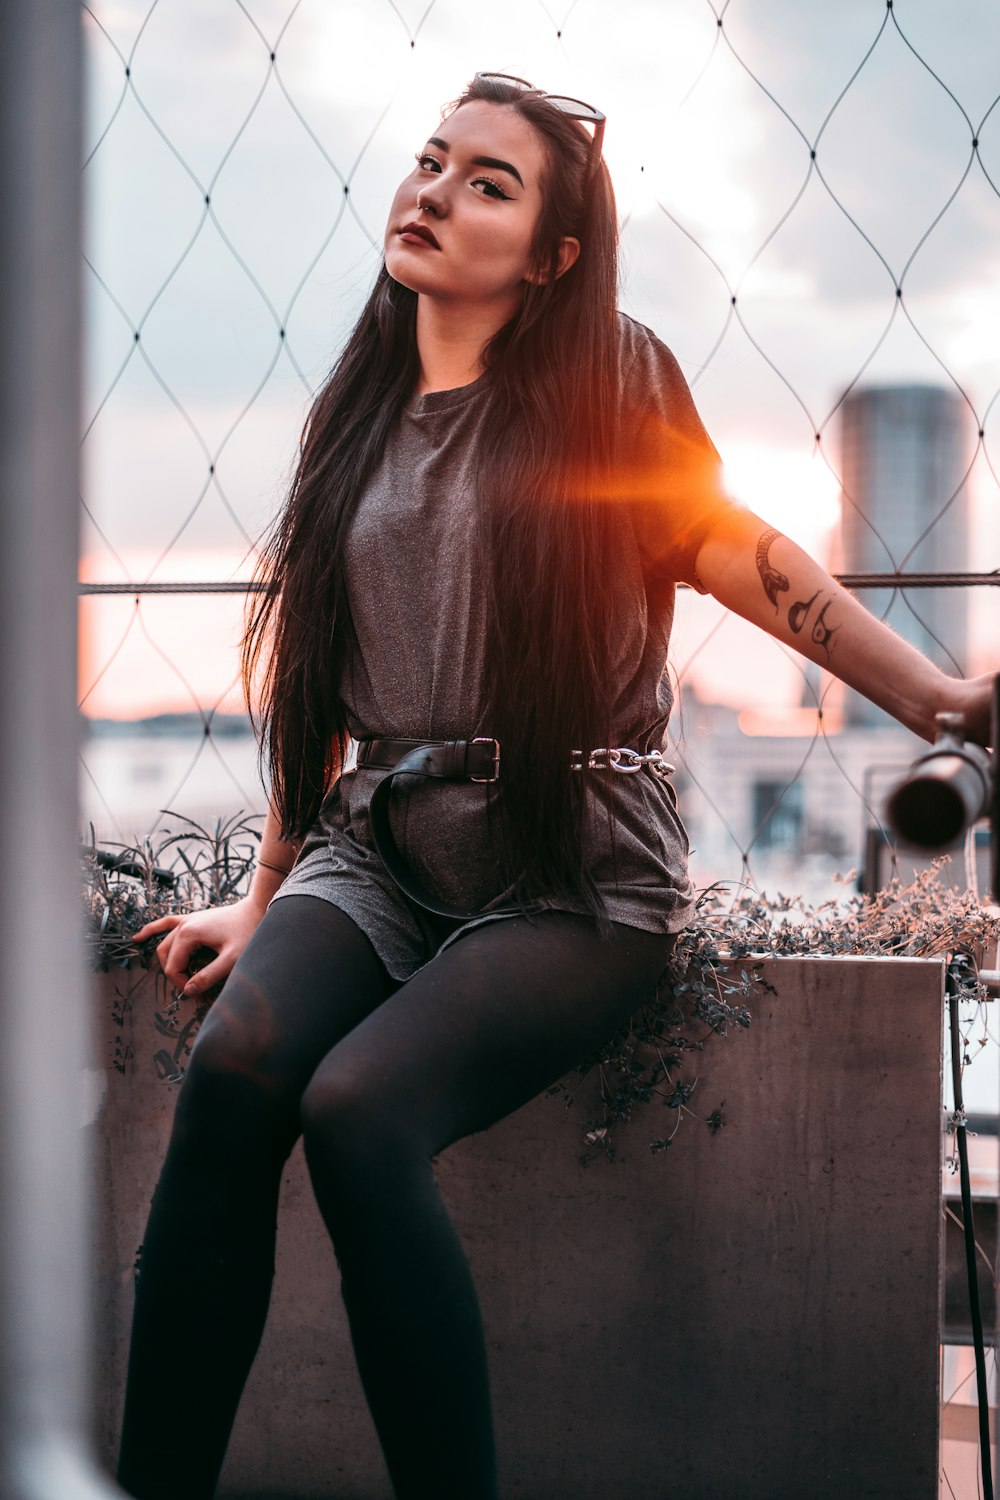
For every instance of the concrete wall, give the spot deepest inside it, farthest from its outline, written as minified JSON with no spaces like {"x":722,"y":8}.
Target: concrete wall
{"x":752,"y":1314}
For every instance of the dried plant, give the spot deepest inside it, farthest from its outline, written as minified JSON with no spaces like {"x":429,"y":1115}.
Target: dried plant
{"x":706,"y":992}
{"x":128,"y":885}
{"x":716,"y":970}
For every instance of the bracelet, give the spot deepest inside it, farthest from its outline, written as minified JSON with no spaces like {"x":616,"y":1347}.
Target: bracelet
{"x":278,"y":869}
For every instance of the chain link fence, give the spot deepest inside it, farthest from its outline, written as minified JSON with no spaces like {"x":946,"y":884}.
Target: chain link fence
{"x":808,"y":204}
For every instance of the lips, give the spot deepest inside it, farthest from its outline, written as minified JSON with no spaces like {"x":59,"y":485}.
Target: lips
{"x":413,"y":231}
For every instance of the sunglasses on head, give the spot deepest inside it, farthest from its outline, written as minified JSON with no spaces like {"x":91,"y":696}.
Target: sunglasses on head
{"x":575,"y":109}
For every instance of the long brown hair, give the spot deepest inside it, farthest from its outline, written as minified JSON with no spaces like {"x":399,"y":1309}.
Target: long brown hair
{"x":547,"y":446}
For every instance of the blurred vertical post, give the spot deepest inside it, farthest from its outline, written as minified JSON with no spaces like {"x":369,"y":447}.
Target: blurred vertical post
{"x":44,"y":1182}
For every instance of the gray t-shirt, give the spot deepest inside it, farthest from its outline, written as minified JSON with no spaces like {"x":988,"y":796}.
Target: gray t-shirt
{"x":415,"y":580}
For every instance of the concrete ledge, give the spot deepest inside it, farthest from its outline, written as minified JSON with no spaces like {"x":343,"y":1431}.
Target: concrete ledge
{"x":754,"y":1314}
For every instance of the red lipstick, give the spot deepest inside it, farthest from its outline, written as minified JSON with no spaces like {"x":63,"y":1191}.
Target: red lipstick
{"x":410,"y":232}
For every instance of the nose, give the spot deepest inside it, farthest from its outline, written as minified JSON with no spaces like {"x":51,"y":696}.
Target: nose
{"x":432,"y":199}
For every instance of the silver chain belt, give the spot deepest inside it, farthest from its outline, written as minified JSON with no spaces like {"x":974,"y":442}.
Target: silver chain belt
{"x":622,"y":758}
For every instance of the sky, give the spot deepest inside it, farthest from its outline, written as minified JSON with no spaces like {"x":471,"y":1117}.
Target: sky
{"x":800,"y":158}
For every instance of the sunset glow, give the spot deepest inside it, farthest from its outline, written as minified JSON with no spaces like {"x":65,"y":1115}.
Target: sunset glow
{"x":170,"y":653}
{"x":791,"y":490}
{"x":767,"y":268}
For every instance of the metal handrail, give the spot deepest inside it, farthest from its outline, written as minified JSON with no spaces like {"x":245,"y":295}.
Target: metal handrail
{"x":849,"y":581}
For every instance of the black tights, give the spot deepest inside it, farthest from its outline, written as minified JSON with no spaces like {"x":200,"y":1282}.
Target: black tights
{"x":311,"y":1036}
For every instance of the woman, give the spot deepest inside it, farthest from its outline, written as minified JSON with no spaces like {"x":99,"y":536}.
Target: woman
{"x":499,"y":488}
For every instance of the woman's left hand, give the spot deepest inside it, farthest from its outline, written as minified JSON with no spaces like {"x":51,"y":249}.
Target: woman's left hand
{"x":973,"y":699}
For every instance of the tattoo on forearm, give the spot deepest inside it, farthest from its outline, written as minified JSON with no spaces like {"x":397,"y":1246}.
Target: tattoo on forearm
{"x":822,"y":633}
{"x":797,"y":612}
{"x":775,"y":583}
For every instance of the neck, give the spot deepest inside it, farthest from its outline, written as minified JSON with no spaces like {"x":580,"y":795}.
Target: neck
{"x":451,"y":338}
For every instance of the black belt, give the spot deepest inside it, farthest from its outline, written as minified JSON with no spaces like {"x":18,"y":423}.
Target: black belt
{"x":464,"y":760}
{"x":453,"y":760}
{"x":450,"y":760}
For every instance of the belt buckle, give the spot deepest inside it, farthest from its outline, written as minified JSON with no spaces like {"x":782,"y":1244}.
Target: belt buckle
{"x":488,"y":740}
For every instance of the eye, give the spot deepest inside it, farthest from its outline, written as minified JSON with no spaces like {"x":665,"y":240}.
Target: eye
{"x":427,"y":162}
{"x":491,"y":188}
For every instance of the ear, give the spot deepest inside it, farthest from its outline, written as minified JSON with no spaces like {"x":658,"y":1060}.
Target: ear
{"x":569,"y":251}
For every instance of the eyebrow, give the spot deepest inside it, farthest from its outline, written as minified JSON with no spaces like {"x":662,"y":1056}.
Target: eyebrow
{"x":480,"y":161}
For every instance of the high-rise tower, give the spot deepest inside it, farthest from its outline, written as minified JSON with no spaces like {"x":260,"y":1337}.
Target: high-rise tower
{"x":904,"y":451}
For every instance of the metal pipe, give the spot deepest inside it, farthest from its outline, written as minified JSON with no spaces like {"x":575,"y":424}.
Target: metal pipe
{"x":849,"y":580}
{"x":44,"y":1181}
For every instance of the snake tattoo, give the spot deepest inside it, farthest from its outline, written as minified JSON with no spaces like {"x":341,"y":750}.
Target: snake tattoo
{"x":775,"y":583}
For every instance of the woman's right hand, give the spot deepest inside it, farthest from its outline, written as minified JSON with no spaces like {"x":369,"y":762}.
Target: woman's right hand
{"x":224,"y":929}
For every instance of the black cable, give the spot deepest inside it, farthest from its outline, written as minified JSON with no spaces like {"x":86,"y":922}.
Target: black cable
{"x":975,"y":1312}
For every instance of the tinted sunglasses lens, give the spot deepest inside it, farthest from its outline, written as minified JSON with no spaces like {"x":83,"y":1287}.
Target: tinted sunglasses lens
{"x":508,"y":78}
{"x":576,"y":108}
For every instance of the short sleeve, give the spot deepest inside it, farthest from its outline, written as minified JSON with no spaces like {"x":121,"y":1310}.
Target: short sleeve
{"x":669,"y":466}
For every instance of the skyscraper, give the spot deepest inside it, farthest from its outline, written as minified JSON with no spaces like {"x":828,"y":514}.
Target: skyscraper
{"x":904,"y":504}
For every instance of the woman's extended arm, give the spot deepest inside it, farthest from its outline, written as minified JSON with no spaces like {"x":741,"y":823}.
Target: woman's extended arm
{"x":754,"y":570}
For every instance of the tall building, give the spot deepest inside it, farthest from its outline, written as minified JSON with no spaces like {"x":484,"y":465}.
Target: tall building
{"x":904,"y":451}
